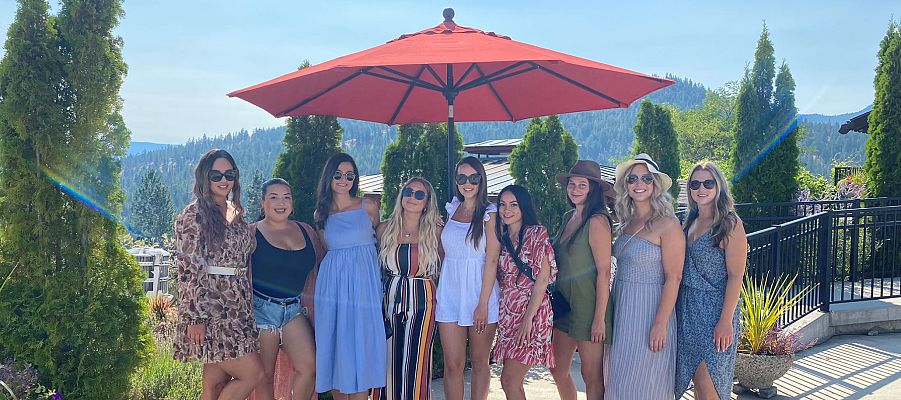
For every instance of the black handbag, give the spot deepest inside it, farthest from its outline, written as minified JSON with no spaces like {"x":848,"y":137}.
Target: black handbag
{"x":559,"y":303}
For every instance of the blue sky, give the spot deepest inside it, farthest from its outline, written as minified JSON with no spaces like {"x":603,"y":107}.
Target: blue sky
{"x":184,"y":56}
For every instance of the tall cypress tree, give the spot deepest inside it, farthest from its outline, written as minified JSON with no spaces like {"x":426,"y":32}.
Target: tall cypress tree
{"x":765,"y":157}
{"x":655,"y":136}
{"x":420,"y":150}
{"x":546,"y":150}
{"x":883,"y":146}
{"x":87,"y":308}
{"x":309,"y":142}
{"x":152,"y":212}
{"x":254,"y":197}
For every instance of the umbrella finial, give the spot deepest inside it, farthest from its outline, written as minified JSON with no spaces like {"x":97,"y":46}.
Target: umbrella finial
{"x":448,"y":14}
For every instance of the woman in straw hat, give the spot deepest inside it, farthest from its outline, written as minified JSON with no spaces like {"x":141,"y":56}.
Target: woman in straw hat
{"x":582,"y":246}
{"x":707,"y":310}
{"x":650,"y":253}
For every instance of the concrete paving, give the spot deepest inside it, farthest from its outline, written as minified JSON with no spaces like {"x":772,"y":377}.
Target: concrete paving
{"x":844,"y":367}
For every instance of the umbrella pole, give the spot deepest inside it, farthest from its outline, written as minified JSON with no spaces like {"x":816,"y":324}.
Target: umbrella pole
{"x":450,"y":94}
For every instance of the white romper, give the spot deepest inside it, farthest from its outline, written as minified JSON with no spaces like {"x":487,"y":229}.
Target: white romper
{"x":460,"y":283}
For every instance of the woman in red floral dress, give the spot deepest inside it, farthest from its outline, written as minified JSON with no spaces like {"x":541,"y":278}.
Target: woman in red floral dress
{"x":526,"y":318}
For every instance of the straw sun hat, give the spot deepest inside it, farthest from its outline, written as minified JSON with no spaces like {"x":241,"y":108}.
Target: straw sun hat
{"x":623,"y":168}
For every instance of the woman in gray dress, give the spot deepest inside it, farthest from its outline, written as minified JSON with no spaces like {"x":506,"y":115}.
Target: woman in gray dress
{"x":650,"y":252}
{"x":706,"y":310}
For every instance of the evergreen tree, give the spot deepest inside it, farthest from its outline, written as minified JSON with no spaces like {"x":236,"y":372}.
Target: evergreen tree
{"x":419,"y":151}
{"x":546,"y":150}
{"x":254,"y":197}
{"x":153,"y":213}
{"x":78,"y":309}
{"x":309,"y":142}
{"x":780,"y":162}
{"x":883,"y":146}
{"x":705,"y":132}
{"x":656,"y":137}
{"x":764,"y":160}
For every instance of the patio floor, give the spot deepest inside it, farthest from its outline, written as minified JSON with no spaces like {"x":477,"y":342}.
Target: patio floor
{"x":845,"y":367}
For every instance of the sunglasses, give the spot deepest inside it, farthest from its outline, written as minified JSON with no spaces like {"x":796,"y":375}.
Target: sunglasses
{"x":350,"y":176}
{"x":216,"y":176}
{"x":418,"y":195}
{"x":647,"y":179}
{"x":696,"y":184}
{"x":473,"y":179}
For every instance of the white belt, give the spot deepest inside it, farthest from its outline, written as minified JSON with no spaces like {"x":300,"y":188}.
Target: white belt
{"x":213,"y":270}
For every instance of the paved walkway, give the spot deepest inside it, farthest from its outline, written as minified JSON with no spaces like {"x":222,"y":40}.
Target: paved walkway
{"x":845,"y":367}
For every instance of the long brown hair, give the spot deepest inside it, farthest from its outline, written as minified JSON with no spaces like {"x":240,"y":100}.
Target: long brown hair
{"x":212,"y":220}
{"x":324,"y":193}
{"x":724,"y":216}
{"x":476,"y":225}
{"x":595,"y":204}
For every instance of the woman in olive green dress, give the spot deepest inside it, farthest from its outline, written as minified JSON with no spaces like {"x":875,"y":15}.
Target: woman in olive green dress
{"x":582,"y":246}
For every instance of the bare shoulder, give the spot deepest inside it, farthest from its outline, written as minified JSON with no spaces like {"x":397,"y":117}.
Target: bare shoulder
{"x":380,"y":230}
{"x":668,"y":227}
{"x":599,"y":221}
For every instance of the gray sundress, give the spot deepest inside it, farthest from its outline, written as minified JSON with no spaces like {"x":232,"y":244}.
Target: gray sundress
{"x":633,"y":370}
{"x":697,"y":312}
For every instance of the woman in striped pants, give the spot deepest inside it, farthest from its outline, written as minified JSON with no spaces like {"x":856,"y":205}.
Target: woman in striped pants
{"x":409,"y":253}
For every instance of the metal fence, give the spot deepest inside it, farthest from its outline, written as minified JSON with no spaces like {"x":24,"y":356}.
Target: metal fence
{"x":757,"y":216}
{"x":839,"y":173}
{"x":839,"y":255}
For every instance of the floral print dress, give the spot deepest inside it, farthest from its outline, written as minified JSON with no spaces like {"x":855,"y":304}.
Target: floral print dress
{"x":221,"y":302}
{"x":516,"y":291}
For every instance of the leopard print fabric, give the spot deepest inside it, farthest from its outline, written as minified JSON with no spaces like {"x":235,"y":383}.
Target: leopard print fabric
{"x":222,"y":302}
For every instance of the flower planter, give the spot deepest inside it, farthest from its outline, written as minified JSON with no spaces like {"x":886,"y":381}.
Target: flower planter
{"x":754,"y":371}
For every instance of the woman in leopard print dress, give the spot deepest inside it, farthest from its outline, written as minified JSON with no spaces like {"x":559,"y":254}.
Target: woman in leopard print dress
{"x":215,"y":312}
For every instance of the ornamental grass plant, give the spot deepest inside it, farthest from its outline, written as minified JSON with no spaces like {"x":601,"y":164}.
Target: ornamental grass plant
{"x":763,"y":304}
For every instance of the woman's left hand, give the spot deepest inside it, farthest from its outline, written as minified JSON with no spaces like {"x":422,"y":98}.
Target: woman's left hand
{"x":524,"y":333}
{"x":722,"y":335}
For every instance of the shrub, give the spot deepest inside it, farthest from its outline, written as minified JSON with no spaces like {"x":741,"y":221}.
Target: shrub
{"x":165,"y":378}
{"x":762,"y":305}
{"x":21,"y":382}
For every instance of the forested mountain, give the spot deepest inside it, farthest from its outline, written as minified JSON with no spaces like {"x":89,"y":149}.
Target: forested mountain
{"x":602,"y":135}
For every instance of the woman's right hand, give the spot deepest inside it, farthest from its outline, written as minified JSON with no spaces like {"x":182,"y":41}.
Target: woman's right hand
{"x":196,"y":333}
{"x":480,"y":317}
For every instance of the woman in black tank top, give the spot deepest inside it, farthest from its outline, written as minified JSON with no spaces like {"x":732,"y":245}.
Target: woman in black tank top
{"x":283,"y":268}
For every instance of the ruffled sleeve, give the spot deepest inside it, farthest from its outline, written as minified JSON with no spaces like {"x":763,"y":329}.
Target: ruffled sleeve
{"x":543,"y":250}
{"x":192,"y":277}
{"x":452,"y":206}
{"x":492,"y":208}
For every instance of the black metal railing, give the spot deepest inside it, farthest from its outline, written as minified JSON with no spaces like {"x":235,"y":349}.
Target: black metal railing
{"x":757,"y":216}
{"x":839,"y":173}
{"x":839,"y":256}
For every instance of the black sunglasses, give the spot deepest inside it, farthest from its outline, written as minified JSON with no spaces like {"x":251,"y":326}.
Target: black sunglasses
{"x":418,"y":195}
{"x":696,"y":184}
{"x":350,"y":176}
{"x":473,"y":179}
{"x":216,"y":176}
{"x":647,"y":179}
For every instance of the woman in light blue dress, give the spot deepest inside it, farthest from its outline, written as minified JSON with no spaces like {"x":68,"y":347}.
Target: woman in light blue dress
{"x":707,"y":310}
{"x":350,"y":332}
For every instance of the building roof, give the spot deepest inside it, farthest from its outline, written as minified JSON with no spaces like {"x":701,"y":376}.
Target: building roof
{"x":857,"y":124}
{"x":148,"y":251}
{"x":493,"y":154}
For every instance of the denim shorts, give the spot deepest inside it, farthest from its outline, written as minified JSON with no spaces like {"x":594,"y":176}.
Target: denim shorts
{"x":271,"y":316}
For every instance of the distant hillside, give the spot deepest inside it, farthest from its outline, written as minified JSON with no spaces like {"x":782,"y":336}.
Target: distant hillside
{"x":136,"y":148}
{"x":832,"y":119}
{"x":602,"y":135}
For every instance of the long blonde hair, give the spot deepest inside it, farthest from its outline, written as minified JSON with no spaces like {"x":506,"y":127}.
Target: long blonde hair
{"x":724,"y":216}
{"x":428,"y":230}
{"x":661,"y":202}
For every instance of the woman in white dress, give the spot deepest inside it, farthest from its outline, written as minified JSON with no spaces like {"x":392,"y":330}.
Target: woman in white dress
{"x":467,"y":288}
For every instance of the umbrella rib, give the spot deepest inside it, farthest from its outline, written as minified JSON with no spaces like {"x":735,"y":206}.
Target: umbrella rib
{"x":466,"y":73}
{"x":324,"y":91}
{"x":494,"y":92}
{"x":435,"y":75}
{"x":403,"y":100}
{"x":410,"y":79}
{"x":494,"y":77}
{"x":577,"y":84}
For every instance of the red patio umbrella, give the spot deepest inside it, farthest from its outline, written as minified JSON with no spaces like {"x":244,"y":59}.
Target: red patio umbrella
{"x":451,"y":73}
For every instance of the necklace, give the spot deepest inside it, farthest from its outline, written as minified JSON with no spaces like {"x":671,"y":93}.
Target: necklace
{"x":406,"y":235}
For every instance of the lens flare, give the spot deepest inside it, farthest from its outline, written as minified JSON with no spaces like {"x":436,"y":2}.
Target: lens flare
{"x":82,"y":195}
{"x":781,"y":134}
